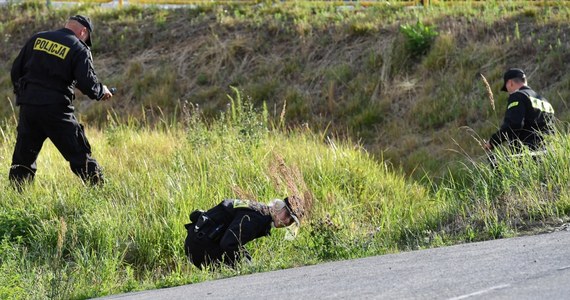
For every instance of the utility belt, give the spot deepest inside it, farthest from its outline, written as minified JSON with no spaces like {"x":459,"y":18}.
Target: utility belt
{"x":20,"y":86}
{"x":205,"y":227}
{"x":53,"y":88}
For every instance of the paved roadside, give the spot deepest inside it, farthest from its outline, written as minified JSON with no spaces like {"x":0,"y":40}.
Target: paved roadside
{"x":530,"y":267}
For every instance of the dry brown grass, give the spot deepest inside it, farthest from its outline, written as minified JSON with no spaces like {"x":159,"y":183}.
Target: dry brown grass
{"x":242,"y":194}
{"x":291,"y":179}
{"x":489,"y":91}
{"x":360,"y":84}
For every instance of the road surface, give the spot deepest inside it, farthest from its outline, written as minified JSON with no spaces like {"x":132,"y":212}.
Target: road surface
{"x":530,"y":267}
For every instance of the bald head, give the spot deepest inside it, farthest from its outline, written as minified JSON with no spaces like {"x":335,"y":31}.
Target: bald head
{"x":79,"y":30}
{"x":81,"y":27}
{"x":74,"y":25}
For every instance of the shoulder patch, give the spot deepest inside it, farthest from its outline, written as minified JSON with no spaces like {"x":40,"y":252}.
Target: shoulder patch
{"x":241,"y":203}
{"x":51,"y":47}
{"x":513,"y":105}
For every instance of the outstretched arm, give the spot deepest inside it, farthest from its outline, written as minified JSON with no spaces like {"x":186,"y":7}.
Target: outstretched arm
{"x":87,"y":81}
{"x":245,"y":227}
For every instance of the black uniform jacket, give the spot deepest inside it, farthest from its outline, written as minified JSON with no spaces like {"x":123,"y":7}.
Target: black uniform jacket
{"x":231,"y":225}
{"x":528,"y":116}
{"x":49,"y":67}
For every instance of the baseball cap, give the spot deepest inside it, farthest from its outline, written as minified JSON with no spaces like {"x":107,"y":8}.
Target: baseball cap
{"x":85,"y":21}
{"x":510,"y":74}
{"x":291,"y":210}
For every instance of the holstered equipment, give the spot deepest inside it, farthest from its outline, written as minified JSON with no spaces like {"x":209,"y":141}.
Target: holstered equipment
{"x":195,"y":215}
{"x":201,"y":225}
{"x":206,"y":227}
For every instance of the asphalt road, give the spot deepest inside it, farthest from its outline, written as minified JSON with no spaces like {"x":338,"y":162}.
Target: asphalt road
{"x":531,"y":267}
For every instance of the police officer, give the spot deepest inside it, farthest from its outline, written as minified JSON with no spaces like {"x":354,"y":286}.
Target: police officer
{"x":528,"y":117}
{"x":219,"y":235}
{"x":44,"y":75}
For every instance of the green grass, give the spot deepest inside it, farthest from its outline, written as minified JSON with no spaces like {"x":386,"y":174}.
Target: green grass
{"x":522,"y":193}
{"x":80,"y":242}
{"x":349,"y":72}
{"x":313,"y":80}
{"x":61,"y":240}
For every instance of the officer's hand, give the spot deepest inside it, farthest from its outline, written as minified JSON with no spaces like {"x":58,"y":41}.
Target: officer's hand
{"x":106,"y":93}
{"x":488,"y":146}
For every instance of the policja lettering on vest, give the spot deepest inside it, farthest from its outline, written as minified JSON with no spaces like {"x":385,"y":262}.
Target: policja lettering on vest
{"x":51,"y":47}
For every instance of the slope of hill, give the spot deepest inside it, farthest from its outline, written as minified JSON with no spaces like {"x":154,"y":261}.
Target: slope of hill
{"x":349,"y":71}
{"x":172,"y":140}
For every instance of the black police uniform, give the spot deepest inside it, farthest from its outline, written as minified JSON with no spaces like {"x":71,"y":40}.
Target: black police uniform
{"x":45,"y":74}
{"x":527,"y":118}
{"x":219,"y":235}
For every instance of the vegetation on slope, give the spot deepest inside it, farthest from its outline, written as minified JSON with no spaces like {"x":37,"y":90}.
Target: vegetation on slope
{"x":61,"y":240}
{"x":349,"y":72}
{"x":167,"y":150}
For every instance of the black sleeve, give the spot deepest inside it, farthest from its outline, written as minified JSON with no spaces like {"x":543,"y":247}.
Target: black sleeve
{"x":18,"y":66}
{"x":84,"y":73}
{"x":513,"y":121}
{"x":245,"y":227}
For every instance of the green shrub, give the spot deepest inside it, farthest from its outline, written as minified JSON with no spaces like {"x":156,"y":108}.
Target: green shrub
{"x":419,"y":38}
{"x":327,"y":241}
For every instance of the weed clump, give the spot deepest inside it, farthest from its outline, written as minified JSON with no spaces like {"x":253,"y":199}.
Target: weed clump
{"x":419,"y":37}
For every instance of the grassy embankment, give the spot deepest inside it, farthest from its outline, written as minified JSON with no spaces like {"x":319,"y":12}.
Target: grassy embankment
{"x":349,"y":72}
{"x":61,"y":240}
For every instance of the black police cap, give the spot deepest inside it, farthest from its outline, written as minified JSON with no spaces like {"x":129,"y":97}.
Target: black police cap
{"x":85,"y":21}
{"x":510,"y":74}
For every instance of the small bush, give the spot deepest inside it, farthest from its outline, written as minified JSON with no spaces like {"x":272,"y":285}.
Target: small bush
{"x":327,"y":242}
{"x":419,"y":38}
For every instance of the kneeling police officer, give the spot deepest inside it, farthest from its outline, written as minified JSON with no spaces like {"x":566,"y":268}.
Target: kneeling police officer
{"x":219,"y":234}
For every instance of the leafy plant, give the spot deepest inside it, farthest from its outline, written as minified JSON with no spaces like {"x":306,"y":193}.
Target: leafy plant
{"x":327,"y":242}
{"x":419,"y":37}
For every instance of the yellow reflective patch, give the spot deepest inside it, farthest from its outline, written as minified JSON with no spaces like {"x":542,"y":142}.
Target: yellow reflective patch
{"x":51,"y":47}
{"x":513,"y":105}
{"x":241,"y":203}
{"x":541,"y":105}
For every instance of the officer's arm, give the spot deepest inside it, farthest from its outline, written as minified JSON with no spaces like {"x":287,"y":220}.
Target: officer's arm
{"x":84,"y":73}
{"x":243,"y":229}
{"x":514,"y":118}
{"x":18,"y":67}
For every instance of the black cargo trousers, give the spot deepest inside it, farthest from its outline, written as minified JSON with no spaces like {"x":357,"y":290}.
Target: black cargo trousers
{"x":202,"y":250}
{"x":58,"y":123}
